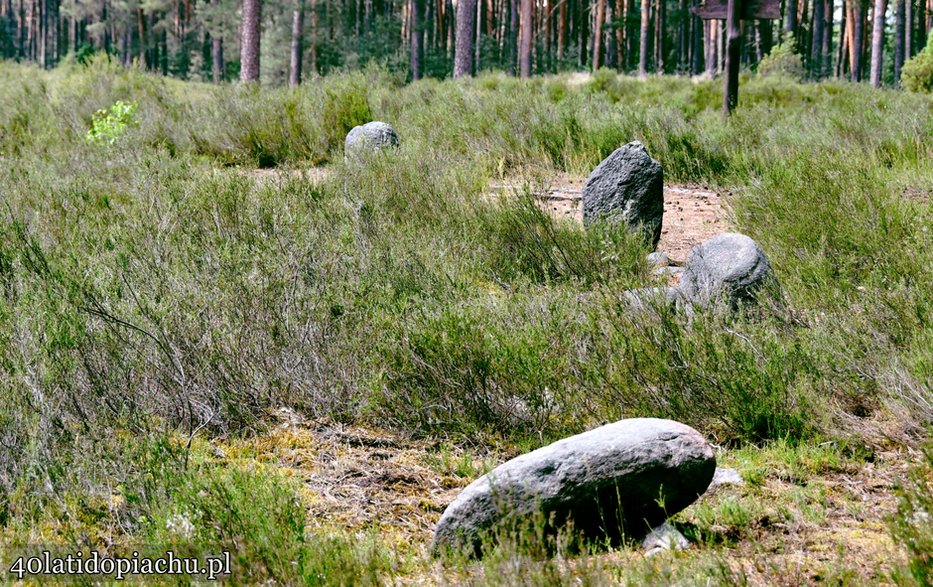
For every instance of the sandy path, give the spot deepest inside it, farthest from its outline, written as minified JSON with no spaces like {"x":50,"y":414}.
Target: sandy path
{"x":691,"y":214}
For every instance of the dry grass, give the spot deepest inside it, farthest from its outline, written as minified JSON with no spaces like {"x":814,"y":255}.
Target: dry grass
{"x":806,"y":515}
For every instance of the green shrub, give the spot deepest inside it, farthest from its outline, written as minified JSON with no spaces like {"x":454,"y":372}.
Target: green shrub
{"x":912,"y":526}
{"x":782,"y":61}
{"x":108,"y":126}
{"x":917,"y":74}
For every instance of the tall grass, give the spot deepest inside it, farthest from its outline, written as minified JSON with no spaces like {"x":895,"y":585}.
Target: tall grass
{"x":150,"y":289}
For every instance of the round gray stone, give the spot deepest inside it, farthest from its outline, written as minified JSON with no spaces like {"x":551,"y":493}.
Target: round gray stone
{"x":606,"y":482}
{"x":627,"y":186}
{"x":728,"y":266}
{"x":369,"y":138}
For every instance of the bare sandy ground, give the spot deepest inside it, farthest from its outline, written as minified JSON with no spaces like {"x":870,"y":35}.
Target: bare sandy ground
{"x":691,"y":214}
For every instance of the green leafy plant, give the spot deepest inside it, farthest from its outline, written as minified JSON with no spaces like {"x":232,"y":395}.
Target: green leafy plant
{"x":782,"y":61}
{"x":917,"y":75}
{"x":109,"y":125}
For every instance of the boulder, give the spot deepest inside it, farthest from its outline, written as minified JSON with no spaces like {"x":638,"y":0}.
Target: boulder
{"x":368,"y":138}
{"x":728,"y":266}
{"x":608,"y":483}
{"x":628,"y":186}
{"x":657,"y":259}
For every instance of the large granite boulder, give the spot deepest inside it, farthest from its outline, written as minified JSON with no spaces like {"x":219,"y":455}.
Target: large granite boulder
{"x":729,"y":266}
{"x":608,"y":483}
{"x":369,"y":138}
{"x":628,"y":186}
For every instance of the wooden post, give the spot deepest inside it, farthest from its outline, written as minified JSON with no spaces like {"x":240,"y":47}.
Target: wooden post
{"x":733,"y":48}
{"x":733,"y":12}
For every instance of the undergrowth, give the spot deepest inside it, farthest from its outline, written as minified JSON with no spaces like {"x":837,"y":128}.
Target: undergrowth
{"x":158,"y":288}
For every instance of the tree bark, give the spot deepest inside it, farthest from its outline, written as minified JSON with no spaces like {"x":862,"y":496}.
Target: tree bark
{"x":659,"y":17}
{"x":598,"y":34}
{"x":417,"y":38}
{"x":908,"y":29}
{"x":526,"y":28}
{"x":730,"y":98}
{"x":463,"y":53}
{"x":827,"y":64}
{"x":816,"y":41}
{"x":645,"y":36}
{"x":877,"y":42}
{"x":843,"y":41}
{"x":249,"y":53}
{"x":858,"y":38}
{"x":513,"y":37}
{"x":217,"y":49}
{"x":314,"y":36}
{"x":298,"y":21}
{"x":898,"y":40}
{"x":696,"y":63}
{"x":790,"y":17}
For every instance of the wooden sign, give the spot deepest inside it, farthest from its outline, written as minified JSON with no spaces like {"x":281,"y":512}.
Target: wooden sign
{"x":748,"y":10}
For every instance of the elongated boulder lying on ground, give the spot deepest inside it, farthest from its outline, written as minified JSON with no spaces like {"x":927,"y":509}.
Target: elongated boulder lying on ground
{"x":628,"y":186}
{"x":608,"y":483}
{"x":728,"y":266}
{"x":368,"y":138}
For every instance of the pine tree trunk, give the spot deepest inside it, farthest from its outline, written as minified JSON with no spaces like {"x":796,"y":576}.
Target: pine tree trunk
{"x":645,"y":37}
{"x":463,"y":53}
{"x":790,"y":17}
{"x":315,"y":21}
{"x":526,"y":28}
{"x":298,"y":21}
{"x":816,"y":41}
{"x":619,"y":14}
{"x":598,"y":34}
{"x":561,"y":30}
{"x":696,"y":63}
{"x":513,"y":37}
{"x":217,"y":50}
{"x":908,"y":29}
{"x":843,"y":41}
{"x":827,"y":65}
{"x":417,"y":38}
{"x":858,"y":38}
{"x":877,"y":43}
{"x":922,"y":14}
{"x":898,"y":40}
{"x":249,"y":53}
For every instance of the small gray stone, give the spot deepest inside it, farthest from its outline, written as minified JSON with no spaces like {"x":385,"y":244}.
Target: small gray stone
{"x":664,"y":537}
{"x":369,"y":138}
{"x":669,"y":270}
{"x":618,"y":480}
{"x":725,"y":477}
{"x":728,"y":266}
{"x":657,"y":259}
{"x":627,"y":186}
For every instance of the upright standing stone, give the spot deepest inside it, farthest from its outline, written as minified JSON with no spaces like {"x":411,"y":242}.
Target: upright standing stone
{"x":622,"y":479}
{"x":628,"y":186}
